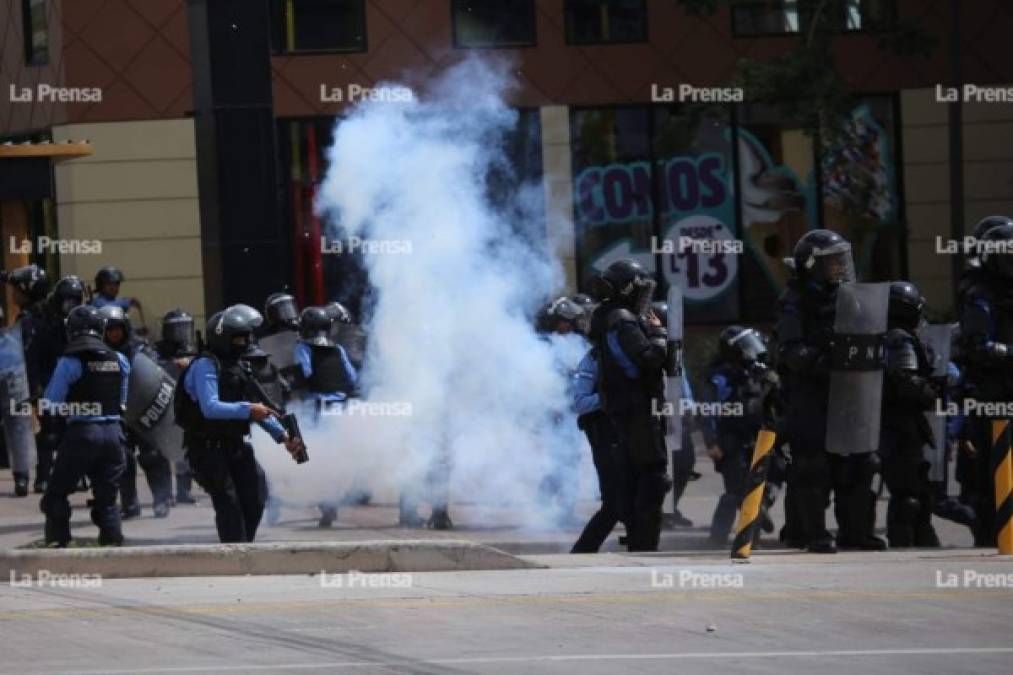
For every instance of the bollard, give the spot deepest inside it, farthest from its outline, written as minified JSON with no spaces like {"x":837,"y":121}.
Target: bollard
{"x":1002,"y":472}
{"x":749,"y":512}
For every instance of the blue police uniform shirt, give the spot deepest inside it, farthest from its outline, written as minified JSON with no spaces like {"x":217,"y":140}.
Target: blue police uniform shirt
{"x":304,"y":357}
{"x":68,"y":371}
{"x":584,"y":385}
{"x":201,"y":383}
{"x":101,"y":301}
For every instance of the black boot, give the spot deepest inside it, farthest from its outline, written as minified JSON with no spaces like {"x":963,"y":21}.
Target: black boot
{"x":20,"y":484}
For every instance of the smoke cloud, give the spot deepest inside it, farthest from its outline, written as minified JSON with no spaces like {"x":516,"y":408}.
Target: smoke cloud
{"x":454,"y":370}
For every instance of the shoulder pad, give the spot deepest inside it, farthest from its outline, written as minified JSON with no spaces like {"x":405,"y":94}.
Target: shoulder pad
{"x":619,"y":315}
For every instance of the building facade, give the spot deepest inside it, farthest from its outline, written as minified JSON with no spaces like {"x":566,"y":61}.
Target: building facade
{"x":627,"y":167}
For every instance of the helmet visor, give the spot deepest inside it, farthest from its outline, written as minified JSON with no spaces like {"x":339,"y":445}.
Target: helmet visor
{"x":178,"y":332}
{"x":751,"y":346}
{"x":834,"y":265}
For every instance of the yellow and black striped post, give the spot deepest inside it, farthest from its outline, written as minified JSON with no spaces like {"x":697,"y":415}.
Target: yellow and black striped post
{"x":1002,"y":474}
{"x":749,"y":512}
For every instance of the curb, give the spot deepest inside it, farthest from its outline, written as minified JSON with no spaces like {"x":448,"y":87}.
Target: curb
{"x":262,"y":559}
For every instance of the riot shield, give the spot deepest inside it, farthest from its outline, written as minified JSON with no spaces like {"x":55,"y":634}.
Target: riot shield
{"x":857,"y":362}
{"x":281,"y":348}
{"x":353,"y":338}
{"x":19,"y":433}
{"x":674,"y":372}
{"x":937,"y":339}
{"x":150,"y":412}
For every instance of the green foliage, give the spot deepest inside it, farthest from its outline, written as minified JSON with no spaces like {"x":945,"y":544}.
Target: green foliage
{"x":805,"y":84}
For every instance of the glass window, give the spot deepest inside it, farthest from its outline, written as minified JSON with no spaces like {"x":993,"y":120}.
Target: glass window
{"x":794,"y":16}
{"x":858,"y":182}
{"x":319,"y":25}
{"x":493,"y":23}
{"x":698,"y":247}
{"x":613,"y":211}
{"x":36,"y":29}
{"x":605,"y":21}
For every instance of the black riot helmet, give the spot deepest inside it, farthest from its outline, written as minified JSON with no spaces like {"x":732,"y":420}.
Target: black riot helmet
{"x":85,"y":320}
{"x":30,"y":280}
{"x":67,"y":294}
{"x":626,"y":283}
{"x":906,"y":305}
{"x":561,"y":315}
{"x":281,"y":311}
{"x":315,"y":327}
{"x":108,"y":275}
{"x":231,"y":330}
{"x":997,"y":251}
{"x":177,"y":328}
{"x":338,"y":312}
{"x":661,"y":311}
{"x":586,"y":303}
{"x":824,"y":258}
{"x":743,"y":346}
{"x":115,"y":316}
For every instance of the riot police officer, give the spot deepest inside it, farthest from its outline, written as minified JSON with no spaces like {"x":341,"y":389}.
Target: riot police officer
{"x":176,"y":348}
{"x":330,"y":377}
{"x":821,"y":262}
{"x":107,"y":290}
{"x":30,"y":285}
{"x":986,"y":324}
{"x":281,"y":313}
{"x":595,"y":424}
{"x":48,"y":342}
{"x":214,"y":408}
{"x":88,"y":391}
{"x":120,"y":336}
{"x":632,"y":352}
{"x":741,"y":382}
{"x":908,"y":392}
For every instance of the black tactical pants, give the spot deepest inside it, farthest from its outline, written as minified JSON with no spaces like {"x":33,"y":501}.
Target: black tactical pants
{"x":906,"y":474}
{"x":734,"y":469}
{"x":607,"y":464}
{"x":230,"y":474}
{"x":854,"y":500}
{"x":807,"y":494}
{"x":156,"y":471}
{"x":641,"y":439}
{"x":95,"y":450}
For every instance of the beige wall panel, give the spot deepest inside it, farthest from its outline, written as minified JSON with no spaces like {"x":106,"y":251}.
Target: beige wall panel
{"x":126,"y":181}
{"x":919,"y":106}
{"x":926,"y":144}
{"x":138,"y":196}
{"x":927,"y":182}
{"x":149,"y":219}
{"x":988,"y":141}
{"x":161,"y":140}
{"x":989,"y":180}
{"x":558,"y":185}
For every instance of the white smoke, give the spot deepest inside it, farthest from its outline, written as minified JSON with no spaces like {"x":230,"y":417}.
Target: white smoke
{"x":451,"y":337}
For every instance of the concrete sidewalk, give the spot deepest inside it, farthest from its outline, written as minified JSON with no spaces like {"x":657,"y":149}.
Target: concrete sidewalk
{"x":499,"y":527}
